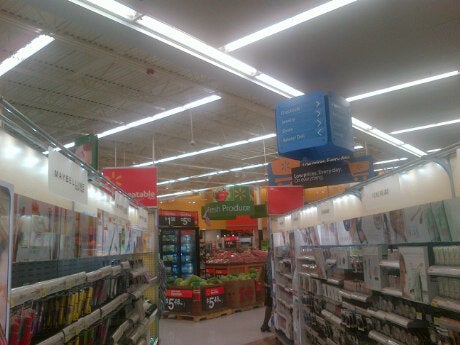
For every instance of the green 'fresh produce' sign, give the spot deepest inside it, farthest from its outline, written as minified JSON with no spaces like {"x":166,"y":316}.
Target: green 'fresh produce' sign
{"x":227,"y":209}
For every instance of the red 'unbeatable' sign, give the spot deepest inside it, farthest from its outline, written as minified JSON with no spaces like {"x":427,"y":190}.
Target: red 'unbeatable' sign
{"x":139,"y":183}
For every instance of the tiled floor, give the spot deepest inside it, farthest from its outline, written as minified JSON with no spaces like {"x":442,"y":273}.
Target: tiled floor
{"x":235,"y":329}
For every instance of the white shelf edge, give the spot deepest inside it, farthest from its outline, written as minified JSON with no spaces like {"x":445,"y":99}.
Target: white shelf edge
{"x":306,"y":257}
{"x":391,"y":292}
{"x":446,"y":303}
{"x":383,"y":339}
{"x":445,"y":271}
{"x":448,"y":323}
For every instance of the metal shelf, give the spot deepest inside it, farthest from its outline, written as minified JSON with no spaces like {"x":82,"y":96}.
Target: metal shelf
{"x":357,"y":296}
{"x":445,"y":271}
{"x":446,"y":303}
{"x":392,"y":292}
{"x":397,"y":319}
{"x":450,"y":324}
{"x":307,"y":257}
{"x":394,"y":264}
{"x":383,"y":339}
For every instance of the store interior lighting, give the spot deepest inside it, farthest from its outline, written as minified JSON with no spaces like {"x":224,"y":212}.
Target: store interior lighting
{"x":193,"y":191}
{"x":24,"y":53}
{"x":209,"y":149}
{"x":156,"y":117}
{"x":372,"y":131}
{"x":390,"y":161}
{"x":403,"y":86}
{"x":286,"y":24}
{"x":432,"y":125}
{"x":213,"y":173}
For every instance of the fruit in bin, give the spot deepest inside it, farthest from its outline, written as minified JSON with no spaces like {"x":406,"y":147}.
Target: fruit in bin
{"x":178,"y":281}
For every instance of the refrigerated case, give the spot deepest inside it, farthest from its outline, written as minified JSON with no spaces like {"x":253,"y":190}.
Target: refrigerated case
{"x":179,"y":250}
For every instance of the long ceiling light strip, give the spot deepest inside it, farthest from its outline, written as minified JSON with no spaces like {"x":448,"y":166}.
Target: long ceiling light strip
{"x":403,"y":86}
{"x":184,"y":42}
{"x":161,"y":115}
{"x":432,"y":125}
{"x":24,"y":53}
{"x":286,"y":24}
{"x":391,"y":161}
{"x":376,"y":133}
{"x":188,"y":192}
{"x":213,"y":173}
{"x":207,"y":150}
{"x":153,"y":118}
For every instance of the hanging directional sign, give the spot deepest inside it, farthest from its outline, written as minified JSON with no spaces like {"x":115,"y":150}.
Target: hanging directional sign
{"x":314,"y":126}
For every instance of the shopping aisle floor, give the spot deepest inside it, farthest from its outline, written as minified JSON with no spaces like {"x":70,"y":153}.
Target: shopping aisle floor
{"x":235,"y":329}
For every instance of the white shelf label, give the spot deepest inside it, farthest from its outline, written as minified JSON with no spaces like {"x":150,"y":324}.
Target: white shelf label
{"x":381,"y":194}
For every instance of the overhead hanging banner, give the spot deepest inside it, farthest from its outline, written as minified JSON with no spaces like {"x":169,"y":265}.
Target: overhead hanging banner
{"x":332,"y":172}
{"x":283,"y":199}
{"x":280,"y":171}
{"x":139,"y":183}
{"x":230,"y":202}
{"x":314,"y":126}
{"x":67,"y":178}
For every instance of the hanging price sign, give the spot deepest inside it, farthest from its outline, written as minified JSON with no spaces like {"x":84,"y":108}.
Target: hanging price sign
{"x":214,"y":298}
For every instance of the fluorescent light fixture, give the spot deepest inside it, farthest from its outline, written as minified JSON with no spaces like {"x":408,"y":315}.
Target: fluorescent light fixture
{"x":376,"y":133}
{"x":286,"y":24}
{"x":213,"y":173}
{"x":67,"y":146}
{"x":161,"y":115}
{"x":387,"y":168}
{"x":209,"y":149}
{"x":402,"y":86}
{"x":187,"y":192}
{"x":278,"y":85}
{"x":149,"y":119}
{"x":195,"y":45}
{"x":432,"y":125}
{"x":116,"y":8}
{"x":358,"y":147}
{"x":25,"y":52}
{"x":248,"y":182}
{"x":189,"y":44}
{"x":391,"y":161}
{"x":433,"y":150}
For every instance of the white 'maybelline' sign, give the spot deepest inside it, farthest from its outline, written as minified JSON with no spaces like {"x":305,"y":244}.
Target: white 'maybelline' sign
{"x":67,"y":178}
{"x":382,"y":194}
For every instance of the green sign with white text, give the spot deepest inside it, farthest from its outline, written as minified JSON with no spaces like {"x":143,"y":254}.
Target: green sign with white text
{"x":227,"y":209}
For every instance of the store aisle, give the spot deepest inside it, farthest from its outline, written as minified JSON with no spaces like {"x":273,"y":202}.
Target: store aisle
{"x":235,"y":329}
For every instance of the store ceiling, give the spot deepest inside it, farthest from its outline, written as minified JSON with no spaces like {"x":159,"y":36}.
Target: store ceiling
{"x":99,"y":74}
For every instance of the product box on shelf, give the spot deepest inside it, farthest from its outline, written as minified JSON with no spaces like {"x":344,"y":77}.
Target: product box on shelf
{"x":373,"y":276}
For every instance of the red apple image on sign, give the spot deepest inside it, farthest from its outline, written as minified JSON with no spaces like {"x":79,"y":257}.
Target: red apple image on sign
{"x":221,"y":194}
